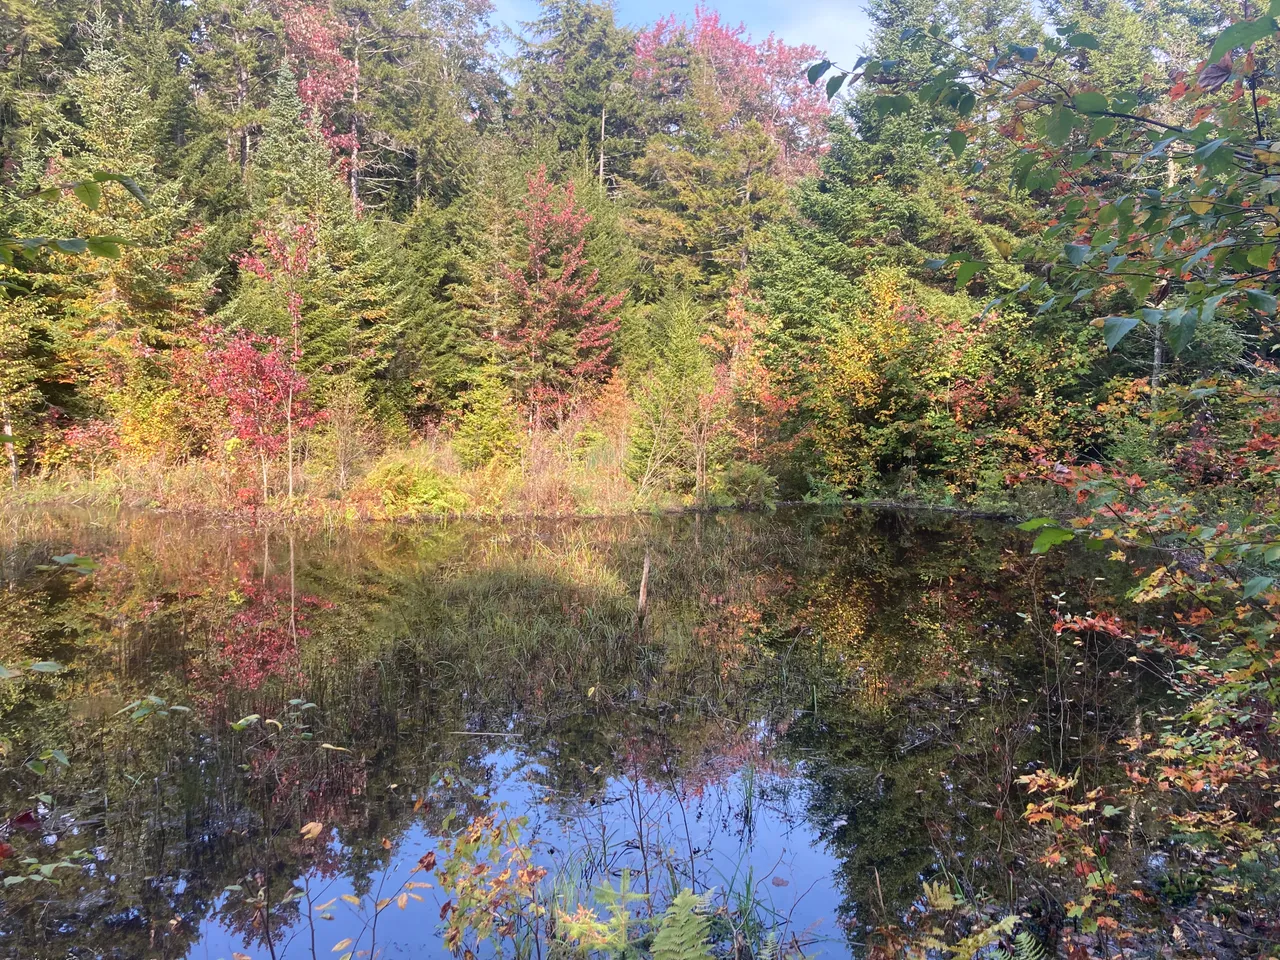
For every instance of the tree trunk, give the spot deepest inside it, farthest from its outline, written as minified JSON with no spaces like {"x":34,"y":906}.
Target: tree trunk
{"x":263,"y":458}
{"x":355,"y":142}
{"x":602,"y":146}
{"x":288,"y":419}
{"x":10,"y":449}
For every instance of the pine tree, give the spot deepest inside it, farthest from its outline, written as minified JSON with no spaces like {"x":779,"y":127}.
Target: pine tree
{"x":575,"y":81}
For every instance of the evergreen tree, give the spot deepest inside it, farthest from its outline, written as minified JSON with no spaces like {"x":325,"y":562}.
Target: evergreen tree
{"x":575,"y":81}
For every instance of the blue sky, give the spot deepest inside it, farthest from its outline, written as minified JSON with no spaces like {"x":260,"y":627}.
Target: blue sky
{"x":838,"y":28}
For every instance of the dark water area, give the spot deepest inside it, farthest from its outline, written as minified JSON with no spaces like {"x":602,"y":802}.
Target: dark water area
{"x":818,"y":712}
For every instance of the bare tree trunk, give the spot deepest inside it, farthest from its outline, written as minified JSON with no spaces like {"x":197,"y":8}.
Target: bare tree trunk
{"x":1157,"y":367}
{"x":242,"y":101}
{"x":288,"y":419}
{"x":642,"y":605}
{"x":355,"y":142}
{"x":10,"y":449}
{"x":602,"y":146}
{"x":263,"y":458}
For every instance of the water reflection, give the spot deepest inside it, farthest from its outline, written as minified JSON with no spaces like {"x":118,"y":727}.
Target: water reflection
{"x":818,"y":711}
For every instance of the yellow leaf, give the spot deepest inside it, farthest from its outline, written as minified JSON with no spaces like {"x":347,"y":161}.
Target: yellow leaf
{"x":240,"y":956}
{"x":350,"y":899}
{"x":1271,"y":208}
{"x":342,"y":945}
{"x":1201,"y":206}
{"x":326,"y":905}
{"x":311,"y":830}
{"x":330,"y":746}
{"x":402,"y":901}
{"x":382,"y":903}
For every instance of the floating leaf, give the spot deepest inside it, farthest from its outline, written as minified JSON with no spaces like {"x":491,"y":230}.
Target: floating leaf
{"x":311,"y":830}
{"x":342,"y":944}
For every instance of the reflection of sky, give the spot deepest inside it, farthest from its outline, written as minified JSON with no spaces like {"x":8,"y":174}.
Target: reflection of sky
{"x":788,"y":869}
{"x":839,"y":29}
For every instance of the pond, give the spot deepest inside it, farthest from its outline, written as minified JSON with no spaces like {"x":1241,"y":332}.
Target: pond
{"x":274,"y":743}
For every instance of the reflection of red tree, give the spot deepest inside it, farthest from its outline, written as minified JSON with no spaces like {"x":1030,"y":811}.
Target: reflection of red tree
{"x":260,"y":639}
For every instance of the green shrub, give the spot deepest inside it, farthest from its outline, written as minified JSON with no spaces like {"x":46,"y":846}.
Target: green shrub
{"x":745,"y":485}
{"x":412,"y":488}
{"x":488,"y":430}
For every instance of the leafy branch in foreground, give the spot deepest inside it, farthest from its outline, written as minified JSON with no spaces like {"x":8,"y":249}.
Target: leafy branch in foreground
{"x":1169,"y":211}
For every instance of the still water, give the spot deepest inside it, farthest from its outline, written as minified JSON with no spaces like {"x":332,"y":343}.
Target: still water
{"x":817,"y":712}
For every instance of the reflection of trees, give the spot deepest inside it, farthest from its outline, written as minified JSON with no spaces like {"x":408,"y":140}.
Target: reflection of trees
{"x":930,"y":697}
{"x":881,"y":658}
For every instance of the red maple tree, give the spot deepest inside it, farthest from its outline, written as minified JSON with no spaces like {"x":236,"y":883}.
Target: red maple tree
{"x":562,"y":338}
{"x":763,"y":81}
{"x":257,"y":378}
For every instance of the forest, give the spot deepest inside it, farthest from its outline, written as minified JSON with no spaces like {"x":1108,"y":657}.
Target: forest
{"x":369,"y":259}
{"x":359,"y":260}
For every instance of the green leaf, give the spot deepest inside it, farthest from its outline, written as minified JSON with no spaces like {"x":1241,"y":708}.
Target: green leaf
{"x":1076,"y":253}
{"x":1050,"y":537}
{"x":899,"y":103}
{"x":1243,"y":34}
{"x":89,"y":193}
{"x":1090,"y":102}
{"x":1214,"y":158}
{"x":818,"y":69}
{"x":71,"y":245}
{"x":835,"y":83}
{"x":1260,"y":257}
{"x":1115,"y":329}
{"x":1058,"y":124}
{"x":1180,"y":328}
{"x":7,"y":674}
{"x":957,"y":141}
{"x":1037,"y":523}
{"x":47,"y":666}
{"x":101,"y":247}
{"x":37,"y":767}
{"x":1102,"y":128}
{"x":1086,"y":41}
{"x":1257,"y":586}
{"x":966,"y":271}
{"x":1028,"y":53}
{"x":1261,"y":301}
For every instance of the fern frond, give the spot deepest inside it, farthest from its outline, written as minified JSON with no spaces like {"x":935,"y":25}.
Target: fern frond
{"x":1027,"y":946}
{"x":684,"y":930}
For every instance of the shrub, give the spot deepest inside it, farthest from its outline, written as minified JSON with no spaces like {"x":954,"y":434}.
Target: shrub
{"x":487,"y":431}
{"x":410,"y":488}
{"x":745,"y":485}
